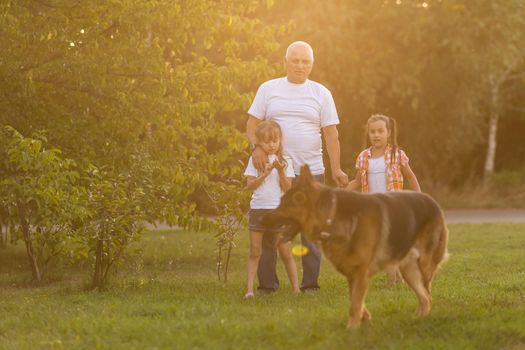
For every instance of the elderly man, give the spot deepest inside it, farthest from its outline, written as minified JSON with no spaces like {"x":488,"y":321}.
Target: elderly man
{"x":303,"y":108}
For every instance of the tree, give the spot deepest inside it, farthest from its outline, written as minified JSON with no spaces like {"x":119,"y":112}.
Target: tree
{"x":39,"y":197}
{"x":116,"y":221}
{"x":501,"y":56}
{"x":112,"y":81}
{"x":119,"y":83}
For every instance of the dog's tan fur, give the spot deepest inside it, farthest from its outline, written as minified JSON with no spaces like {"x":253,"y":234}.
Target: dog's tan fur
{"x":362,"y":234}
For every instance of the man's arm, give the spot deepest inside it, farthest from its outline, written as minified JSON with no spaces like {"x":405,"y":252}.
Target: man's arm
{"x":251,"y":125}
{"x":331,"y":136}
{"x":258,"y":155}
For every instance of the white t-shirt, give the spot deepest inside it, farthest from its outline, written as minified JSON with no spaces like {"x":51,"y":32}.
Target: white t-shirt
{"x":268,"y":194}
{"x":301,"y":110}
{"x":377,"y":175}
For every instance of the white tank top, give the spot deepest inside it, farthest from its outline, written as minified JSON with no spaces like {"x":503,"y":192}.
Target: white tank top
{"x":377,"y":174}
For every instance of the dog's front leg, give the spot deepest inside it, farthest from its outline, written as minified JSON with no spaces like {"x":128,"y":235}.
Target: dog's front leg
{"x":358,"y":286}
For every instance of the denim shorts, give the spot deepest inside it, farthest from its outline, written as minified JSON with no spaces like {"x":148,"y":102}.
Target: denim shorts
{"x":254,"y":221}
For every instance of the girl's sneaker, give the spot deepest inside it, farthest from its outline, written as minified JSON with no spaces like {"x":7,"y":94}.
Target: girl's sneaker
{"x":249,"y":295}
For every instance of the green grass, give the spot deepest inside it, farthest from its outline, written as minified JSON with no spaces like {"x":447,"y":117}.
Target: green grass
{"x":170,"y":298}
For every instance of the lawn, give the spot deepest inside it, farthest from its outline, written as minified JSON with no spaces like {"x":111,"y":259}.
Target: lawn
{"x":169,"y":298}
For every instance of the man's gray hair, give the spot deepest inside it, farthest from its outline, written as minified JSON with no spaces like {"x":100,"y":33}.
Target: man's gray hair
{"x":299,"y":44}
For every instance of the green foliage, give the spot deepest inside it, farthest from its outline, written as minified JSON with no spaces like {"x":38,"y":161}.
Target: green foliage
{"x":39,"y":197}
{"x":145,"y":97}
{"x":115,"y":83}
{"x":116,"y":221}
{"x":230,"y":202}
{"x":61,"y":210}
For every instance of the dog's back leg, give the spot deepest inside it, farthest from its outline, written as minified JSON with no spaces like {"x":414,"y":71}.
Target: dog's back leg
{"x":411,"y":272}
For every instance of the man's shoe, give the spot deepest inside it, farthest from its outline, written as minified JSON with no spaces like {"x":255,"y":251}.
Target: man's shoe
{"x":309,"y":289}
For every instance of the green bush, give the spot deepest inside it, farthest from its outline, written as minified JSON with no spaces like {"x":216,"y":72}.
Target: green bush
{"x":40,"y":198}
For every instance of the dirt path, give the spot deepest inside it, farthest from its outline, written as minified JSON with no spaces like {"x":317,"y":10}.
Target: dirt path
{"x":466,"y":216}
{"x":484,"y":216}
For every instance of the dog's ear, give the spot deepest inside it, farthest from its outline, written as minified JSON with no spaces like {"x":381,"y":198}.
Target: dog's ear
{"x":305,"y":177}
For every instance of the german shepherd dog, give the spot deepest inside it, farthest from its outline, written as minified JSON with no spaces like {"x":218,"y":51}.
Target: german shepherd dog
{"x":362,"y":234}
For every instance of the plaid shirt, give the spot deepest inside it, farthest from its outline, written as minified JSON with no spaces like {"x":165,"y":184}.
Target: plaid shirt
{"x":394,"y":177}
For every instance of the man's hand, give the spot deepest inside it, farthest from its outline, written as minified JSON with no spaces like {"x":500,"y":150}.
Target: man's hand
{"x":259,"y":158}
{"x":331,"y":136}
{"x":340,"y":178}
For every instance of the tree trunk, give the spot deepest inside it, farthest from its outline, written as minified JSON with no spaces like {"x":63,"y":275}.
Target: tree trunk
{"x":97,"y":277}
{"x":492,"y":135}
{"x":219,"y":263}
{"x":3,"y":234}
{"x":33,"y":263}
{"x":230,"y":246}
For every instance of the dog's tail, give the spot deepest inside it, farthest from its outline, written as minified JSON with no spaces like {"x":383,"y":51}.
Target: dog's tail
{"x":441,"y":252}
{"x":436,"y":250}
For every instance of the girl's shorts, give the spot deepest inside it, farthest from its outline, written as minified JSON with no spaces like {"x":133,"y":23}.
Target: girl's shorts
{"x":255,"y":217}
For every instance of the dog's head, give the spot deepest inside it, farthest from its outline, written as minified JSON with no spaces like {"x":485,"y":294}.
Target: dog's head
{"x":303,"y":208}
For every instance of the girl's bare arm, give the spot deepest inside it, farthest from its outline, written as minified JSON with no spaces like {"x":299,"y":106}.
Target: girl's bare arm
{"x":411,"y":178}
{"x":284,"y":182}
{"x":252,"y":182}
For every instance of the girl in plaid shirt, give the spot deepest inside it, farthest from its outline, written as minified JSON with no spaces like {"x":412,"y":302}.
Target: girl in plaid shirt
{"x":383,"y":165}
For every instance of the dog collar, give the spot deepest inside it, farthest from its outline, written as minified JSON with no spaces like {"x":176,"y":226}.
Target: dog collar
{"x":331,"y":216}
{"x":333,"y":209}
{"x":325,"y":235}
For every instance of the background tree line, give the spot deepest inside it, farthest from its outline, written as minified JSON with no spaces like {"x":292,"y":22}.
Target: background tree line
{"x":451,"y":72}
{"x":118,"y":112}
